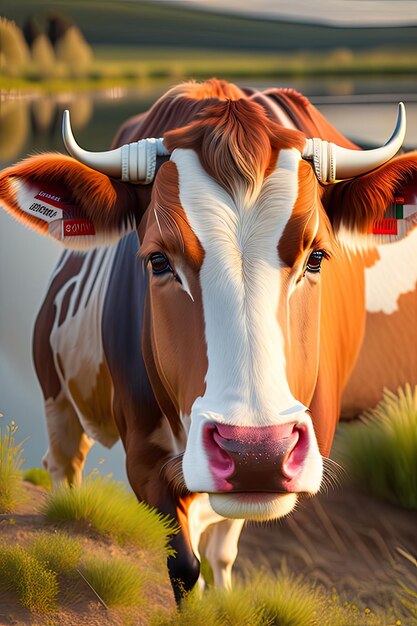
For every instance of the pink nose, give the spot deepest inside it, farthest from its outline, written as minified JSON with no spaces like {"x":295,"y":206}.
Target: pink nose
{"x":256,"y":458}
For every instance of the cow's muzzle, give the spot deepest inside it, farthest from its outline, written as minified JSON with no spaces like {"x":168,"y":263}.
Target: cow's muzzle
{"x":256,"y":459}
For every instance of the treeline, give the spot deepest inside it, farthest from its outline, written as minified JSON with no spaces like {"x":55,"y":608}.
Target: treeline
{"x":46,"y":46}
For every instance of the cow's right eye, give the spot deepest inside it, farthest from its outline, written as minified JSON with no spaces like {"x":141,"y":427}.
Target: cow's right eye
{"x":160,"y":263}
{"x":314,"y":261}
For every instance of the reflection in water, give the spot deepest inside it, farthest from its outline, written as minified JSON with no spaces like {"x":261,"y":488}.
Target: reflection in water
{"x":28,"y":124}
{"x":43,"y":113}
{"x":14,"y":128}
{"x":23,"y":121}
{"x":81,"y":110}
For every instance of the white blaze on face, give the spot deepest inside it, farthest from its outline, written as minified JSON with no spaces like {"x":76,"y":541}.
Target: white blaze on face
{"x":240,"y":282}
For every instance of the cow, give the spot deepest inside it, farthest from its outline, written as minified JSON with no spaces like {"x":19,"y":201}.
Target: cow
{"x":225,"y":263}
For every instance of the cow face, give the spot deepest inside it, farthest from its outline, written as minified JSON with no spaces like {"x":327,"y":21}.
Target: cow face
{"x":234,"y":307}
{"x":233,"y":239}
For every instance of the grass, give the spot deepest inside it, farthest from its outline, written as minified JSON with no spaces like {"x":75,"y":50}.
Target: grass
{"x":38,"y":476}
{"x":11,"y":460}
{"x":265,"y":600}
{"x":110,"y":509}
{"x":58,"y":552}
{"x":118,"y":581}
{"x":380,"y":452}
{"x":39,"y":571}
{"x":54,"y":562}
{"x":35,"y":585}
{"x":409,"y":600}
{"x":408,"y":588}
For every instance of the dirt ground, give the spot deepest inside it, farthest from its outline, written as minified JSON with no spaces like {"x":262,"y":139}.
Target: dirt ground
{"x":78,"y":606}
{"x":344,"y":539}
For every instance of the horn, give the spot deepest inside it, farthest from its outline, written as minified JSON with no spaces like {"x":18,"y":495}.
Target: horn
{"x":332,"y":162}
{"x":134,"y":162}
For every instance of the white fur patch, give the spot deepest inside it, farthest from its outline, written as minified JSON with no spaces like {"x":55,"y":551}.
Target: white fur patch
{"x":261,"y":507}
{"x":240,"y":280}
{"x":77,"y":342}
{"x":394,"y":274}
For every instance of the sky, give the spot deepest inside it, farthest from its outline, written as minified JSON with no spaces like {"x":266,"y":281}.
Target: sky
{"x":336,"y":12}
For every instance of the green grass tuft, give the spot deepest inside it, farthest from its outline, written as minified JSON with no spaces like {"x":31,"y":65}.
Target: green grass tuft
{"x":11,"y":460}
{"x":35,"y":585}
{"x":380,"y":452}
{"x":118,"y":581}
{"x":58,"y":552}
{"x":38,"y":476}
{"x":111,"y":510}
{"x":264,"y":600}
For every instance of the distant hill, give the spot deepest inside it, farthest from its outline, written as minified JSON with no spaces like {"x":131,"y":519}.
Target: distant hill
{"x":331,"y":12}
{"x":159,"y":24}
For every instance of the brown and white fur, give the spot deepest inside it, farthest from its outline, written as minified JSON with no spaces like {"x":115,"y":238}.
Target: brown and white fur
{"x":224,"y":374}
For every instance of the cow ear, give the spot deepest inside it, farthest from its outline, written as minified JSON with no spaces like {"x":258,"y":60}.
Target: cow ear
{"x":376,"y":208}
{"x":58,"y":196}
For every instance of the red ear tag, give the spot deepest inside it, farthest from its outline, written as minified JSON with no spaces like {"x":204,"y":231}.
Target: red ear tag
{"x":77,"y":228}
{"x":385,"y":226}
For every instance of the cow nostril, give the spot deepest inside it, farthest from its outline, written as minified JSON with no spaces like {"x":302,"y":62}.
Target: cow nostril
{"x":221,"y":458}
{"x":295,"y":457}
{"x":220,"y":461}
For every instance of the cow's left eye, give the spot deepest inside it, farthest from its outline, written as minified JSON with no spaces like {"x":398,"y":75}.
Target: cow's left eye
{"x":314,"y":261}
{"x":160,"y":263}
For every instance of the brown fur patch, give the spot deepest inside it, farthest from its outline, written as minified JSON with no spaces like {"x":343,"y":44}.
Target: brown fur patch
{"x":212,"y":88}
{"x":357,"y":203}
{"x":171,"y":223}
{"x":108,"y":203}
{"x":386,"y":358}
{"x":299,"y":234}
{"x":43,"y":357}
{"x":95,"y":407}
{"x":236,"y":142}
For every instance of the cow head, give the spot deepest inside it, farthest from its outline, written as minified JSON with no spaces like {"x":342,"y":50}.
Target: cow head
{"x":233,"y":238}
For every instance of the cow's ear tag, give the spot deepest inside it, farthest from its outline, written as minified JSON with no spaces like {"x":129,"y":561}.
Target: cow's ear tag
{"x":39,"y":202}
{"x":399,"y":207}
{"x":51,"y":205}
{"x":385,"y":226}
{"x":75,"y":227}
{"x":395,"y":219}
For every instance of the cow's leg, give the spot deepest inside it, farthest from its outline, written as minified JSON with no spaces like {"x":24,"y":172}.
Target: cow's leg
{"x":219,"y":536}
{"x":143,"y":471}
{"x":222,"y":548}
{"x":68,"y":443}
{"x":184,"y":568}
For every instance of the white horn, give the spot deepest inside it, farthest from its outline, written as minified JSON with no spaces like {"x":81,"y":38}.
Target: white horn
{"x":133,"y":162}
{"x":332,"y":162}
